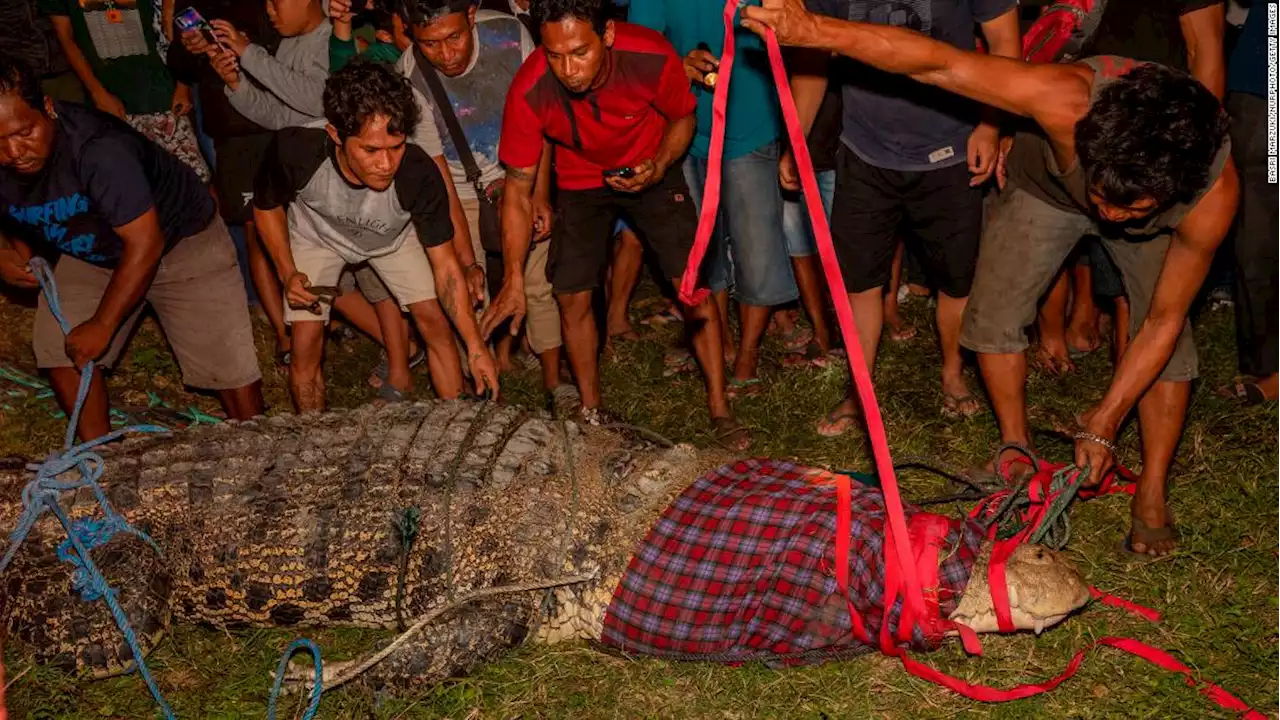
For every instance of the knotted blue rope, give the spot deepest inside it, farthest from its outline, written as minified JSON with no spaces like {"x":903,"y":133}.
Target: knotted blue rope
{"x":45,"y":490}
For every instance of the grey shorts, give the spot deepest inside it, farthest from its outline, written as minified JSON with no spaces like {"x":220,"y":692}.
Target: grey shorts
{"x":198,"y":295}
{"x":1024,"y":244}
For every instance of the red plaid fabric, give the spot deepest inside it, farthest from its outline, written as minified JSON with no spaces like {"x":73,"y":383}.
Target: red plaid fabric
{"x":740,"y":566}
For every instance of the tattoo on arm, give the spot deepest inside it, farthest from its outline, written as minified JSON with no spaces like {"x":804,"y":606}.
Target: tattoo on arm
{"x":520,"y":174}
{"x":447,"y":300}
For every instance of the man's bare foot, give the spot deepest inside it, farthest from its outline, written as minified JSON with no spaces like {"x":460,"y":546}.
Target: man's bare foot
{"x":1052,"y":357}
{"x":838,"y":421}
{"x":918,"y":290}
{"x":1152,"y":532}
{"x":1252,"y":392}
{"x":1083,"y":340}
{"x":958,"y":402}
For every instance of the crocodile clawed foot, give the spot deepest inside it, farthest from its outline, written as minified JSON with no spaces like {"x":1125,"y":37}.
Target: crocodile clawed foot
{"x":300,"y":675}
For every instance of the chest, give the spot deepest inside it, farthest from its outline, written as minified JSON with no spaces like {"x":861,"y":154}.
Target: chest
{"x":360,"y":214}
{"x":56,"y":210}
{"x":599,"y":119}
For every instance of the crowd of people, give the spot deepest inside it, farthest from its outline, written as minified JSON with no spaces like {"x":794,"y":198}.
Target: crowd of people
{"x":482,"y":174}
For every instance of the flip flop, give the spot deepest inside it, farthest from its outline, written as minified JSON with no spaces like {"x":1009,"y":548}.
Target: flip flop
{"x":951,"y":406}
{"x":731,"y":434}
{"x":736,"y":388}
{"x":1139,"y":532}
{"x":389,"y":393}
{"x":666,"y":316}
{"x":811,"y":356}
{"x":835,"y":417}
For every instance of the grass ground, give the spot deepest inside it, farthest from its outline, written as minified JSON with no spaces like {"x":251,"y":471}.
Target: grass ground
{"x":1218,"y":593}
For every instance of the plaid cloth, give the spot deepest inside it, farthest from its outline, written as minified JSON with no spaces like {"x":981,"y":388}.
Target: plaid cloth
{"x":740,"y":567}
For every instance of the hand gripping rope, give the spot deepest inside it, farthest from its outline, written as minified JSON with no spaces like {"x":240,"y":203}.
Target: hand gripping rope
{"x":907,"y":574}
{"x":43,"y":492}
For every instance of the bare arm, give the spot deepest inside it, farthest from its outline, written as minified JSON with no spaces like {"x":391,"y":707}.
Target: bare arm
{"x":809,"y":74}
{"x":454,"y":297}
{"x":542,"y":184}
{"x":78,"y":62}
{"x":517,"y":220}
{"x":675,"y":140}
{"x":273,"y":229}
{"x":1056,"y":96}
{"x":143,"y":243}
{"x":1191,"y":252}
{"x":461,"y":229}
{"x":517,"y":234}
{"x":1202,"y":30}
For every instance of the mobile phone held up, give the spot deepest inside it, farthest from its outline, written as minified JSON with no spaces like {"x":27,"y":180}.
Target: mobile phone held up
{"x":191,"y":19}
{"x":622,"y":172}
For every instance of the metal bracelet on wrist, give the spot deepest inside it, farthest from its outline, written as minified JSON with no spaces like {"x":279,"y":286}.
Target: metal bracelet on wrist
{"x":1090,"y":437}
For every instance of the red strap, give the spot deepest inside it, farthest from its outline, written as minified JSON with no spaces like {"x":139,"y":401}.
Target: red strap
{"x":690,"y":293}
{"x":844,"y":535}
{"x":1153,"y":655}
{"x":1119,"y":602}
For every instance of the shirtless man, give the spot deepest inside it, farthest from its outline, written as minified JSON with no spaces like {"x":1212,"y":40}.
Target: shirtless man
{"x":1137,"y":154}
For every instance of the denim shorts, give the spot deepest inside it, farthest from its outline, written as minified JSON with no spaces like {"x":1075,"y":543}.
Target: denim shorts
{"x":748,"y":245}
{"x":795,"y":216}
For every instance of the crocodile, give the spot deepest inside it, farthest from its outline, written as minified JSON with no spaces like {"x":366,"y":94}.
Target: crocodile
{"x":376,"y":516}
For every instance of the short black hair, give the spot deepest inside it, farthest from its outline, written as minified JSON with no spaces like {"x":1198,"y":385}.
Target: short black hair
{"x":422,"y":12}
{"x":549,"y":11}
{"x":1153,"y":133}
{"x":379,"y":16}
{"x":16,"y":76}
{"x":364,"y":89}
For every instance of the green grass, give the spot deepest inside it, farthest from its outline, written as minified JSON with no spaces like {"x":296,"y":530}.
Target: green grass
{"x":1218,"y":593}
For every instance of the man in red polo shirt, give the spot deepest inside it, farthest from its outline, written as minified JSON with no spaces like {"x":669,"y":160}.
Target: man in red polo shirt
{"x":614,"y":98}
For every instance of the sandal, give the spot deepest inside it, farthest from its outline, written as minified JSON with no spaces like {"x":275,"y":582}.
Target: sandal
{"x":811,"y":356}
{"x":960,"y":407}
{"x":378,"y":377}
{"x":1139,"y":532}
{"x":750,"y":387}
{"x":731,"y":434}
{"x":837,"y":421}
{"x":389,"y":393}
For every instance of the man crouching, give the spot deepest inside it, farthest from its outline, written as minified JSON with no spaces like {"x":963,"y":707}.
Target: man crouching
{"x":359,"y":193}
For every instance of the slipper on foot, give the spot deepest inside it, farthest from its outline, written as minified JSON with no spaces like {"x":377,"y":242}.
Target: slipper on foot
{"x":731,"y":434}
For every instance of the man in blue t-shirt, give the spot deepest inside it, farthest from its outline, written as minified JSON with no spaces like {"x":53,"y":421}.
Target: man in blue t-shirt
{"x":1256,"y":229}
{"x":901,"y":173}
{"x":132,"y":223}
{"x":751,"y":200}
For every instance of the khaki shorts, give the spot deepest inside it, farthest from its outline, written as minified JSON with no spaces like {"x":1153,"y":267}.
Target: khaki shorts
{"x":375,"y":291}
{"x":198,"y":295}
{"x":542,"y":319}
{"x":1024,"y":244}
{"x":406,"y":272}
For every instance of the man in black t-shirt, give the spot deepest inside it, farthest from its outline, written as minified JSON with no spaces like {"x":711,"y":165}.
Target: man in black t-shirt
{"x":132,"y":222}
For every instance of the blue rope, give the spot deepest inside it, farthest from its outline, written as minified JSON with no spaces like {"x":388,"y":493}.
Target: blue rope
{"x":314,"y":704}
{"x":44,"y":491}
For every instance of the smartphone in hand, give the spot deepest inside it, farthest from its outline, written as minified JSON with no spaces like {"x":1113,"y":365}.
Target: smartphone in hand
{"x":191,"y":19}
{"x":622,"y":172}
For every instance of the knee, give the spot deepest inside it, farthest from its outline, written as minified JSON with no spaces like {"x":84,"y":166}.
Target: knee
{"x":575,"y":308}
{"x":430,"y":318}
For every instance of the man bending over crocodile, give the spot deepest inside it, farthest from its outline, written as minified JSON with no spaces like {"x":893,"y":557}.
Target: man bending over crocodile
{"x":357,"y":192}
{"x":1135,"y":153}
{"x":133,"y":224}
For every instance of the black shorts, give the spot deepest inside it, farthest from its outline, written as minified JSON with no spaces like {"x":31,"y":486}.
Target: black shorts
{"x":934,"y":211}
{"x":662,"y":215}
{"x":233,"y":174}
